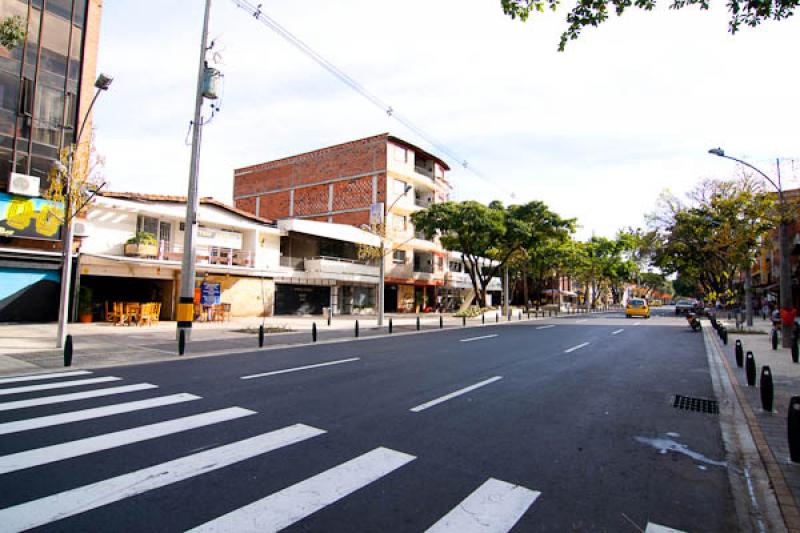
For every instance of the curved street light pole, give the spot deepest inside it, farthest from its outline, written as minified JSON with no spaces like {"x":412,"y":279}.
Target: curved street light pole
{"x":783,"y":242}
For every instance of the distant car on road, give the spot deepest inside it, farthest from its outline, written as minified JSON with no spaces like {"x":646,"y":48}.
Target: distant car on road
{"x":656,"y":303}
{"x":637,"y":307}
{"x":685,"y":306}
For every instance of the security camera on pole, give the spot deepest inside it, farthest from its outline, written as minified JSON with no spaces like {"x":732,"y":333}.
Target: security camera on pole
{"x":207,"y":78}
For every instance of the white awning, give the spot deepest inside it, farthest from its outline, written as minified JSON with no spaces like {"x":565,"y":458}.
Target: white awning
{"x":339,"y":232}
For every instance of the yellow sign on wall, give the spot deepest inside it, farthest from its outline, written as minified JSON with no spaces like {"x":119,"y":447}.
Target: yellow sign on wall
{"x":30,"y":218}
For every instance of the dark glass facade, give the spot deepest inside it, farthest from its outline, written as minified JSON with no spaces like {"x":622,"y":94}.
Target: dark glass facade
{"x":40,"y":85}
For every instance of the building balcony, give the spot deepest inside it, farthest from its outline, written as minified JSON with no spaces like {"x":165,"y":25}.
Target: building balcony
{"x":165,"y":251}
{"x":335,"y":265}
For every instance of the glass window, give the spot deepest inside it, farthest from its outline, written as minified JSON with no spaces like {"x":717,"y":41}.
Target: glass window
{"x":62,"y":8}
{"x":147,"y":224}
{"x":9,"y":91}
{"x":49,"y":116}
{"x":5,"y":167}
{"x":75,"y":53}
{"x":34,"y":23}
{"x":79,"y":15}
{"x":456,"y":266}
{"x":40,"y":166}
{"x":399,"y":257}
{"x":26,"y":97}
{"x":55,"y":44}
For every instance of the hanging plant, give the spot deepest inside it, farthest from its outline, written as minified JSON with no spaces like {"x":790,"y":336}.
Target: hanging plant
{"x":12,"y":32}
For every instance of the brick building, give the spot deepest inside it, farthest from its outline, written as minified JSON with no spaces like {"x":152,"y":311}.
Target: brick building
{"x":338,"y":184}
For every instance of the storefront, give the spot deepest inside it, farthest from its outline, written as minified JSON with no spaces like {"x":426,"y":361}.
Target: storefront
{"x":293,"y":299}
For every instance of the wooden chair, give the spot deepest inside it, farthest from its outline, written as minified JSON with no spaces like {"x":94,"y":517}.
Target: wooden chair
{"x":155,"y":312}
{"x":117,"y":314}
{"x":226,"y":312}
{"x":217,"y":313}
{"x":132,"y":312}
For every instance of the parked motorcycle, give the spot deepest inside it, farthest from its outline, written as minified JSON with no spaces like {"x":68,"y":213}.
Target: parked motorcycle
{"x":693,"y":321}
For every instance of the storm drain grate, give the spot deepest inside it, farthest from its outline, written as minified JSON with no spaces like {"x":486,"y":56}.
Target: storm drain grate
{"x":700,"y":405}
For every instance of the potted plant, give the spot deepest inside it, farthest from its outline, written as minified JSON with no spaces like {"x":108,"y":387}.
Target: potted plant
{"x":142,"y":244}
{"x":85,"y":305}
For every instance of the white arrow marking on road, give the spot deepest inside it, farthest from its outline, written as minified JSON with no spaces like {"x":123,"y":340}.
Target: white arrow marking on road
{"x":655,"y":528}
{"x":297,"y":369}
{"x":470,"y":339}
{"x":36,"y":377}
{"x":47,"y":400}
{"x":579,"y":321}
{"x":617,"y":332}
{"x":96,"y":412}
{"x":546,"y":327}
{"x":459,"y":392}
{"x":494,"y":507}
{"x":76,"y":448}
{"x":36,"y":513}
{"x":59,"y":385}
{"x":283,"y":508}
{"x":578,"y":347}
{"x":636,"y":323}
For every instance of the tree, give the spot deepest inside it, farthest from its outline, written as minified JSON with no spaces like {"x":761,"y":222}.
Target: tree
{"x":594,"y":12}
{"x":12,"y":32}
{"x":488,"y":236}
{"x":82,"y":166}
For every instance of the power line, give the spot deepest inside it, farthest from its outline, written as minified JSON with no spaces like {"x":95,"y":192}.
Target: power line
{"x":258,"y":14}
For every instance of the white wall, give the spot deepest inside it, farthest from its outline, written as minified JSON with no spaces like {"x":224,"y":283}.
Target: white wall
{"x":108,"y":230}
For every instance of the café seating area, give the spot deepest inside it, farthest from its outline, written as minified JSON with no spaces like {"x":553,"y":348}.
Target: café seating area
{"x":212,"y":313}
{"x":132,"y":313}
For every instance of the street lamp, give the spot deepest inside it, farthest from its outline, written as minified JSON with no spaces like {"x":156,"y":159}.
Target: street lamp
{"x":783,"y":243}
{"x":102,"y":83}
{"x":381,"y":267}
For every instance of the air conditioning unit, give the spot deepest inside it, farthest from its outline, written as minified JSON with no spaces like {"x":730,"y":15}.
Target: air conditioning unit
{"x":23,"y":184}
{"x":81,"y":228}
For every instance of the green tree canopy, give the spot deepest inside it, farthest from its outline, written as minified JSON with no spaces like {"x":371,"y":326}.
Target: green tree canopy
{"x":594,"y":12}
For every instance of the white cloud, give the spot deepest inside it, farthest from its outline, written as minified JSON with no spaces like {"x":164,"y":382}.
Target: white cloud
{"x":596,"y":132}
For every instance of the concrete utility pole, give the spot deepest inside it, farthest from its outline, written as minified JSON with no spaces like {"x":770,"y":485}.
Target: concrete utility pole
{"x":186,"y":301}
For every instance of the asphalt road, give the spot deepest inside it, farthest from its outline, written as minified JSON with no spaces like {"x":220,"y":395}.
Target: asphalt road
{"x":561,"y":425}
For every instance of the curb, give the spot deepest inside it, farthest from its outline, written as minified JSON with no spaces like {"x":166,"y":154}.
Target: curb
{"x":780,"y":490}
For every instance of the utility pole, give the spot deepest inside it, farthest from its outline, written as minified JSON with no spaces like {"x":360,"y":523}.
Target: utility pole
{"x":787,"y":305}
{"x":186,"y":301}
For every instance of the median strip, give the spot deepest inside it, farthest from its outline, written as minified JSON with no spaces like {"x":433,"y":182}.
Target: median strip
{"x":297,"y":369}
{"x":470,"y":339}
{"x":578,"y":347}
{"x":459,"y":392}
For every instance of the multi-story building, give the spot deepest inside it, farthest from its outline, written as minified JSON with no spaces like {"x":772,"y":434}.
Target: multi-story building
{"x":46,"y":87}
{"x":341,"y":183}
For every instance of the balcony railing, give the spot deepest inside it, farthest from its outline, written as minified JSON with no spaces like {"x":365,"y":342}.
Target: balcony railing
{"x":339,"y":265}
{"x":166,"y":251}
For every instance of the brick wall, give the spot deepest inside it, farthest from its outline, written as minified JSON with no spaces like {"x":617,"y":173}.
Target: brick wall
{"x":354,"y":219}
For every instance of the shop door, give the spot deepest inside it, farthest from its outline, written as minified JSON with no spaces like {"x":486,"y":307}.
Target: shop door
{"x":390,"y":299}
{"x":301,"y":299}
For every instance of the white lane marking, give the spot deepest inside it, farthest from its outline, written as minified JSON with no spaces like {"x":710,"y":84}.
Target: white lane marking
{"x":655,"y":528}
{"x":36,"y":377}
{"x":547,"y":327}
{"x":494,"y":507}
{"x":285,"y":507}
{"x":297,"y":369}
{"x":459,"y":392}
{"x":617,"y":332}
{"x":578,"y":347}
{"x":59,"y":385}
{"x":636,"y":323}
{"x":76,"y":448}
{"x":36,"y":513}
{"x":95,"y":412}
{"x":470,"y":339}
{"x":47,"y":400}
{"x":579,"y":321}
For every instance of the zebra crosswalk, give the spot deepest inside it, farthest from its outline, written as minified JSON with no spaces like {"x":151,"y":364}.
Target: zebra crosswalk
{"x":494,"y":505}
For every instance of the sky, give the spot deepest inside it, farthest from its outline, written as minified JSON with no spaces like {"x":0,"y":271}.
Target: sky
{"x":597,"y":132}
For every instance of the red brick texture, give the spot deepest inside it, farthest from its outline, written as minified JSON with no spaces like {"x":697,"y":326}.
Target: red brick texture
{"x":355,"y":218}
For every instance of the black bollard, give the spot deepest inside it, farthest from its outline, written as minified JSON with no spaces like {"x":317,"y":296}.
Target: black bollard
{"x":356,"y":328}
{"x":181,"y":341}
{"x":330,"y":314}
{"x":750,"y":369}
{"x":417,"y":322}
{"x":483,"y":318}
{"x":529,"y":314}
{"x":550,"y":313}
{"x":497,"y":317}
{"x":520,"y":315}
{"x":509,"y":314}
{"x":774,"y":338}
{"x":68,"y":350}
{"x":794,"y":429}
{"x":313,"y":332}
{"x":767,"y":391}
{"x":261,"y":336}
{"x":724,"y":333}
{"x":464,"y":321}
{"x":739,"y":351}
{"x":795,"y":349}
{"x":441,"y":322}
{"x":390,"y":325}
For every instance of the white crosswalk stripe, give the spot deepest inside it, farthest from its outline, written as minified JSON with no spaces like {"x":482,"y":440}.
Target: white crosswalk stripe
{"x":39,"y":377}
{"x":74,"y":396}
{"x":58,"y":385}
{"x":655,"y":528}
{"x":76,"y":448}
{"x":45,"y":510}
{"x":302,"y":499}
{"x":494,"y":507}
{"x":97,"y":412}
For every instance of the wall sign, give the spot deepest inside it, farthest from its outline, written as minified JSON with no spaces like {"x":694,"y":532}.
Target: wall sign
{"x":30,"y":218}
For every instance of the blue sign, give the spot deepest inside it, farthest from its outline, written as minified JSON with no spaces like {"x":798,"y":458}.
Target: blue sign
{"x":209,"y":293}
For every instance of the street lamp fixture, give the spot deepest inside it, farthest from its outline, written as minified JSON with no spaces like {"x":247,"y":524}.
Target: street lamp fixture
{"x":103,"y":82}
{"x":783,"y":242}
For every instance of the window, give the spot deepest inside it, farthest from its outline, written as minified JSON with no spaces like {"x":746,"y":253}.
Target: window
{"x":439,"y":262}
{"x":399,"y":257}
{"x":399,"y":222}
{"x":26,"y":98}
{"x":456,"y":266}
{"x":147,"y":224}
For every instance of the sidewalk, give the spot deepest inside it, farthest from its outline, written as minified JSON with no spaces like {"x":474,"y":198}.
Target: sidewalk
{"x":772,"y":426}
{"x":28,"y":348}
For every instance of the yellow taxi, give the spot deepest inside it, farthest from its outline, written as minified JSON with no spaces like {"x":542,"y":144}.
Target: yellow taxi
{"x":637,"y":307}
